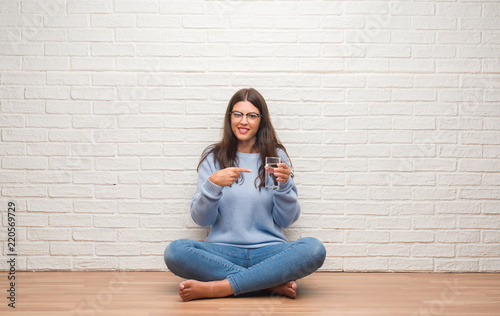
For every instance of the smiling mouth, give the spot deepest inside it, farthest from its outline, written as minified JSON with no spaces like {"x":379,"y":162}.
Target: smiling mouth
{"x":243,"y":130}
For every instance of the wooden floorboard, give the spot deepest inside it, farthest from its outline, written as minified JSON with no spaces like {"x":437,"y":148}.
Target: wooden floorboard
{"x":155,"y":294}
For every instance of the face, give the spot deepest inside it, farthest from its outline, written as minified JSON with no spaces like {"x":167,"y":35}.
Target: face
{"x":245,"y":129}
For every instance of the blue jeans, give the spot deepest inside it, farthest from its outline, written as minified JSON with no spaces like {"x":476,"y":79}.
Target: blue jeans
{"x":246,"y":269}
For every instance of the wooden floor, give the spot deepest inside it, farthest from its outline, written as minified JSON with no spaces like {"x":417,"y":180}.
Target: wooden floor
{"x":155,"y":293}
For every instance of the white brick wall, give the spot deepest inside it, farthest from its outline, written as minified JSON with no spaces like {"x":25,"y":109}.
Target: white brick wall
{"x":389,"y":109}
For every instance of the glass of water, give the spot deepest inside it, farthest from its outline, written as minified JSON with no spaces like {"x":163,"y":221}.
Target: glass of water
{"x":271,"y":164}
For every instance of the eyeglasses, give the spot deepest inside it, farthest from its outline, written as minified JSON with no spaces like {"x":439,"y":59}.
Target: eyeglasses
{"x":250,"y":116}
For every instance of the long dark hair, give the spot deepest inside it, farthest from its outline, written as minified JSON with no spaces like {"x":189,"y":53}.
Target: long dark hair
{"x":266,"y":143}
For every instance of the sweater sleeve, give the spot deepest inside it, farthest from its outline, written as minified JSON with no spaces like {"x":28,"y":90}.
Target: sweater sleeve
{"x":286,"y":207}
{"x":205,"y":203}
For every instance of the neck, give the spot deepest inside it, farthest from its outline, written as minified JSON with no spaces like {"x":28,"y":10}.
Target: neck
{"x":247,"y":147}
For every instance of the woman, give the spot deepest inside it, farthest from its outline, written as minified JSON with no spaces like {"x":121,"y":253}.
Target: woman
{"x":246,"y":249}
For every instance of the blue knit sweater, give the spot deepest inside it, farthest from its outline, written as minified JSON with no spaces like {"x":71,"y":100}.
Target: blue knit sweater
{"x":241,"y":215}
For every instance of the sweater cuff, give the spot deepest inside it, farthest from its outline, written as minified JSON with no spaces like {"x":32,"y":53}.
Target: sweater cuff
{"x":283,"y":187}
{"x":212,"y":188}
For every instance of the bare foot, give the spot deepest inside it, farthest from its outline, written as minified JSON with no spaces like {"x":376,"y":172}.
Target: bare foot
{"x":288,"y":289}
{"x":192,"y":290}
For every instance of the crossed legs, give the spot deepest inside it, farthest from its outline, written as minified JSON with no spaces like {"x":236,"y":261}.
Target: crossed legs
{"x":219,"y":271}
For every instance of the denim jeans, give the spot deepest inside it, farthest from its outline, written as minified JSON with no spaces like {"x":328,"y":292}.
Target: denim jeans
{"x":246,"y":269}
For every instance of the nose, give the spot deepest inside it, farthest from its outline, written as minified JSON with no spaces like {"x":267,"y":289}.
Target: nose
{"x":244,"y":120}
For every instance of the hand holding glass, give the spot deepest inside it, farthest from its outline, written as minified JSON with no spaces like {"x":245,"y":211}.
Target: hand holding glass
{"x":271,"y":165}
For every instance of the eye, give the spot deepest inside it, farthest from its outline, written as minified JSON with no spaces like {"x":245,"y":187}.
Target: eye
{"x":237,"y":114}
{"x":253,"y":116}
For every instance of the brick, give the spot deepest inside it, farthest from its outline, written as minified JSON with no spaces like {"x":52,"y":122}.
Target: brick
{"x":90,"y":6}
{"x":389,"y":81}
{"x":393,"y":223}
{"x":12,"y":177}
{"x":47,"y":121}
{"x":389,"y":165}
{"x":390,"y":250}
{"x":94,"y":177}
{"x":205,"y":22}
{"x":433,"y":250}
{"x":488,"y":265}
{"x":412,"y":236}
{"x":45,"y":63}
{"x":145,"y":235}
{"x":117,"y":249}
{"x":434,"y":23}
{"x":368,"y":179}
{"x":411,"y":265}
{"x":435,"y":51}
{"x":366,"y":209}
{"x":141,"y":178}
{"x":458,"y":237}
{"x":413,"y":151}
{"x":81,"y":206}
{"x":351,"y":137}
{"x":49,"y":234}
{"x":478,"y":222}
{"x":120,"y":136}
{"x":73,"y":191}
{"x":23,"y":78}
{"x":296,"y":23}
{"x":70,"y":136}
{"x":93,"y":93}
{"x":140,"y":207}
{"x":42,"y":263}
{"x":138,"y":35}
{"x":115,"y":221}
{"x":453,"y":265}
{"x":387,"y":193}
{"x":73,"y":249}
{"x":114,"y":20}
{"x":415,"y":123}
{"x":12,"y":121}
{"x":69,"y":163}
{"x":478,"y":250}
{"x":117,"y":192}
{"x":93,"y":234}
{"x":127,"y":6}
{"x":191,"y":7}
{"x":363,"y":264}
{"x":367,"y":237}
{"x":343,"y":22}
{"x":67,"y":220}
{"x":405,"y":208}
{"x":65,"y":107}
{"x":414,"y":95}
{"x":95,"y":264}
{"x":368,"y":123}
{"x":491,"y":179}
{"x":25,"y":163}
{"x":458,"y":179}
{"x":488,"y":237}
{"x":384,"y":137}
{"x":367,"y":151}
{"x":50,"y":206}
{"x":94,"y":63}
{"x":15,"y":64}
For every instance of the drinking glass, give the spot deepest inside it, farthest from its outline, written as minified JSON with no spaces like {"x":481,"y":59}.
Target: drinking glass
{"x":271,"y":165}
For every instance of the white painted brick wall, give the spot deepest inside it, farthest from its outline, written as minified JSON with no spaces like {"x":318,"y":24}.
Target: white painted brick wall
{"x":390,"y":111}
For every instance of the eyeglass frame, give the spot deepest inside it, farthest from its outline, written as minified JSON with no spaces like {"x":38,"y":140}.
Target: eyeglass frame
{"x":243,"y":114}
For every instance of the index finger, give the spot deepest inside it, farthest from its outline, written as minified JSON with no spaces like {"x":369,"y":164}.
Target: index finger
{"x":241,"y":169}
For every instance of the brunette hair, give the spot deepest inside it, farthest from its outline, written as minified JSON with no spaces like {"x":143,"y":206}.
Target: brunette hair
{"x":266,"y":143}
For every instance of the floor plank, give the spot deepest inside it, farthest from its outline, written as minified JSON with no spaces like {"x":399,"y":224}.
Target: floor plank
{"x":155,"y":293}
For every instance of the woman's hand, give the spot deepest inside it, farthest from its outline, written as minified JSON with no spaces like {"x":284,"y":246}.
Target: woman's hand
{"x":282,"y":173}
{"x":227,"y":176}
